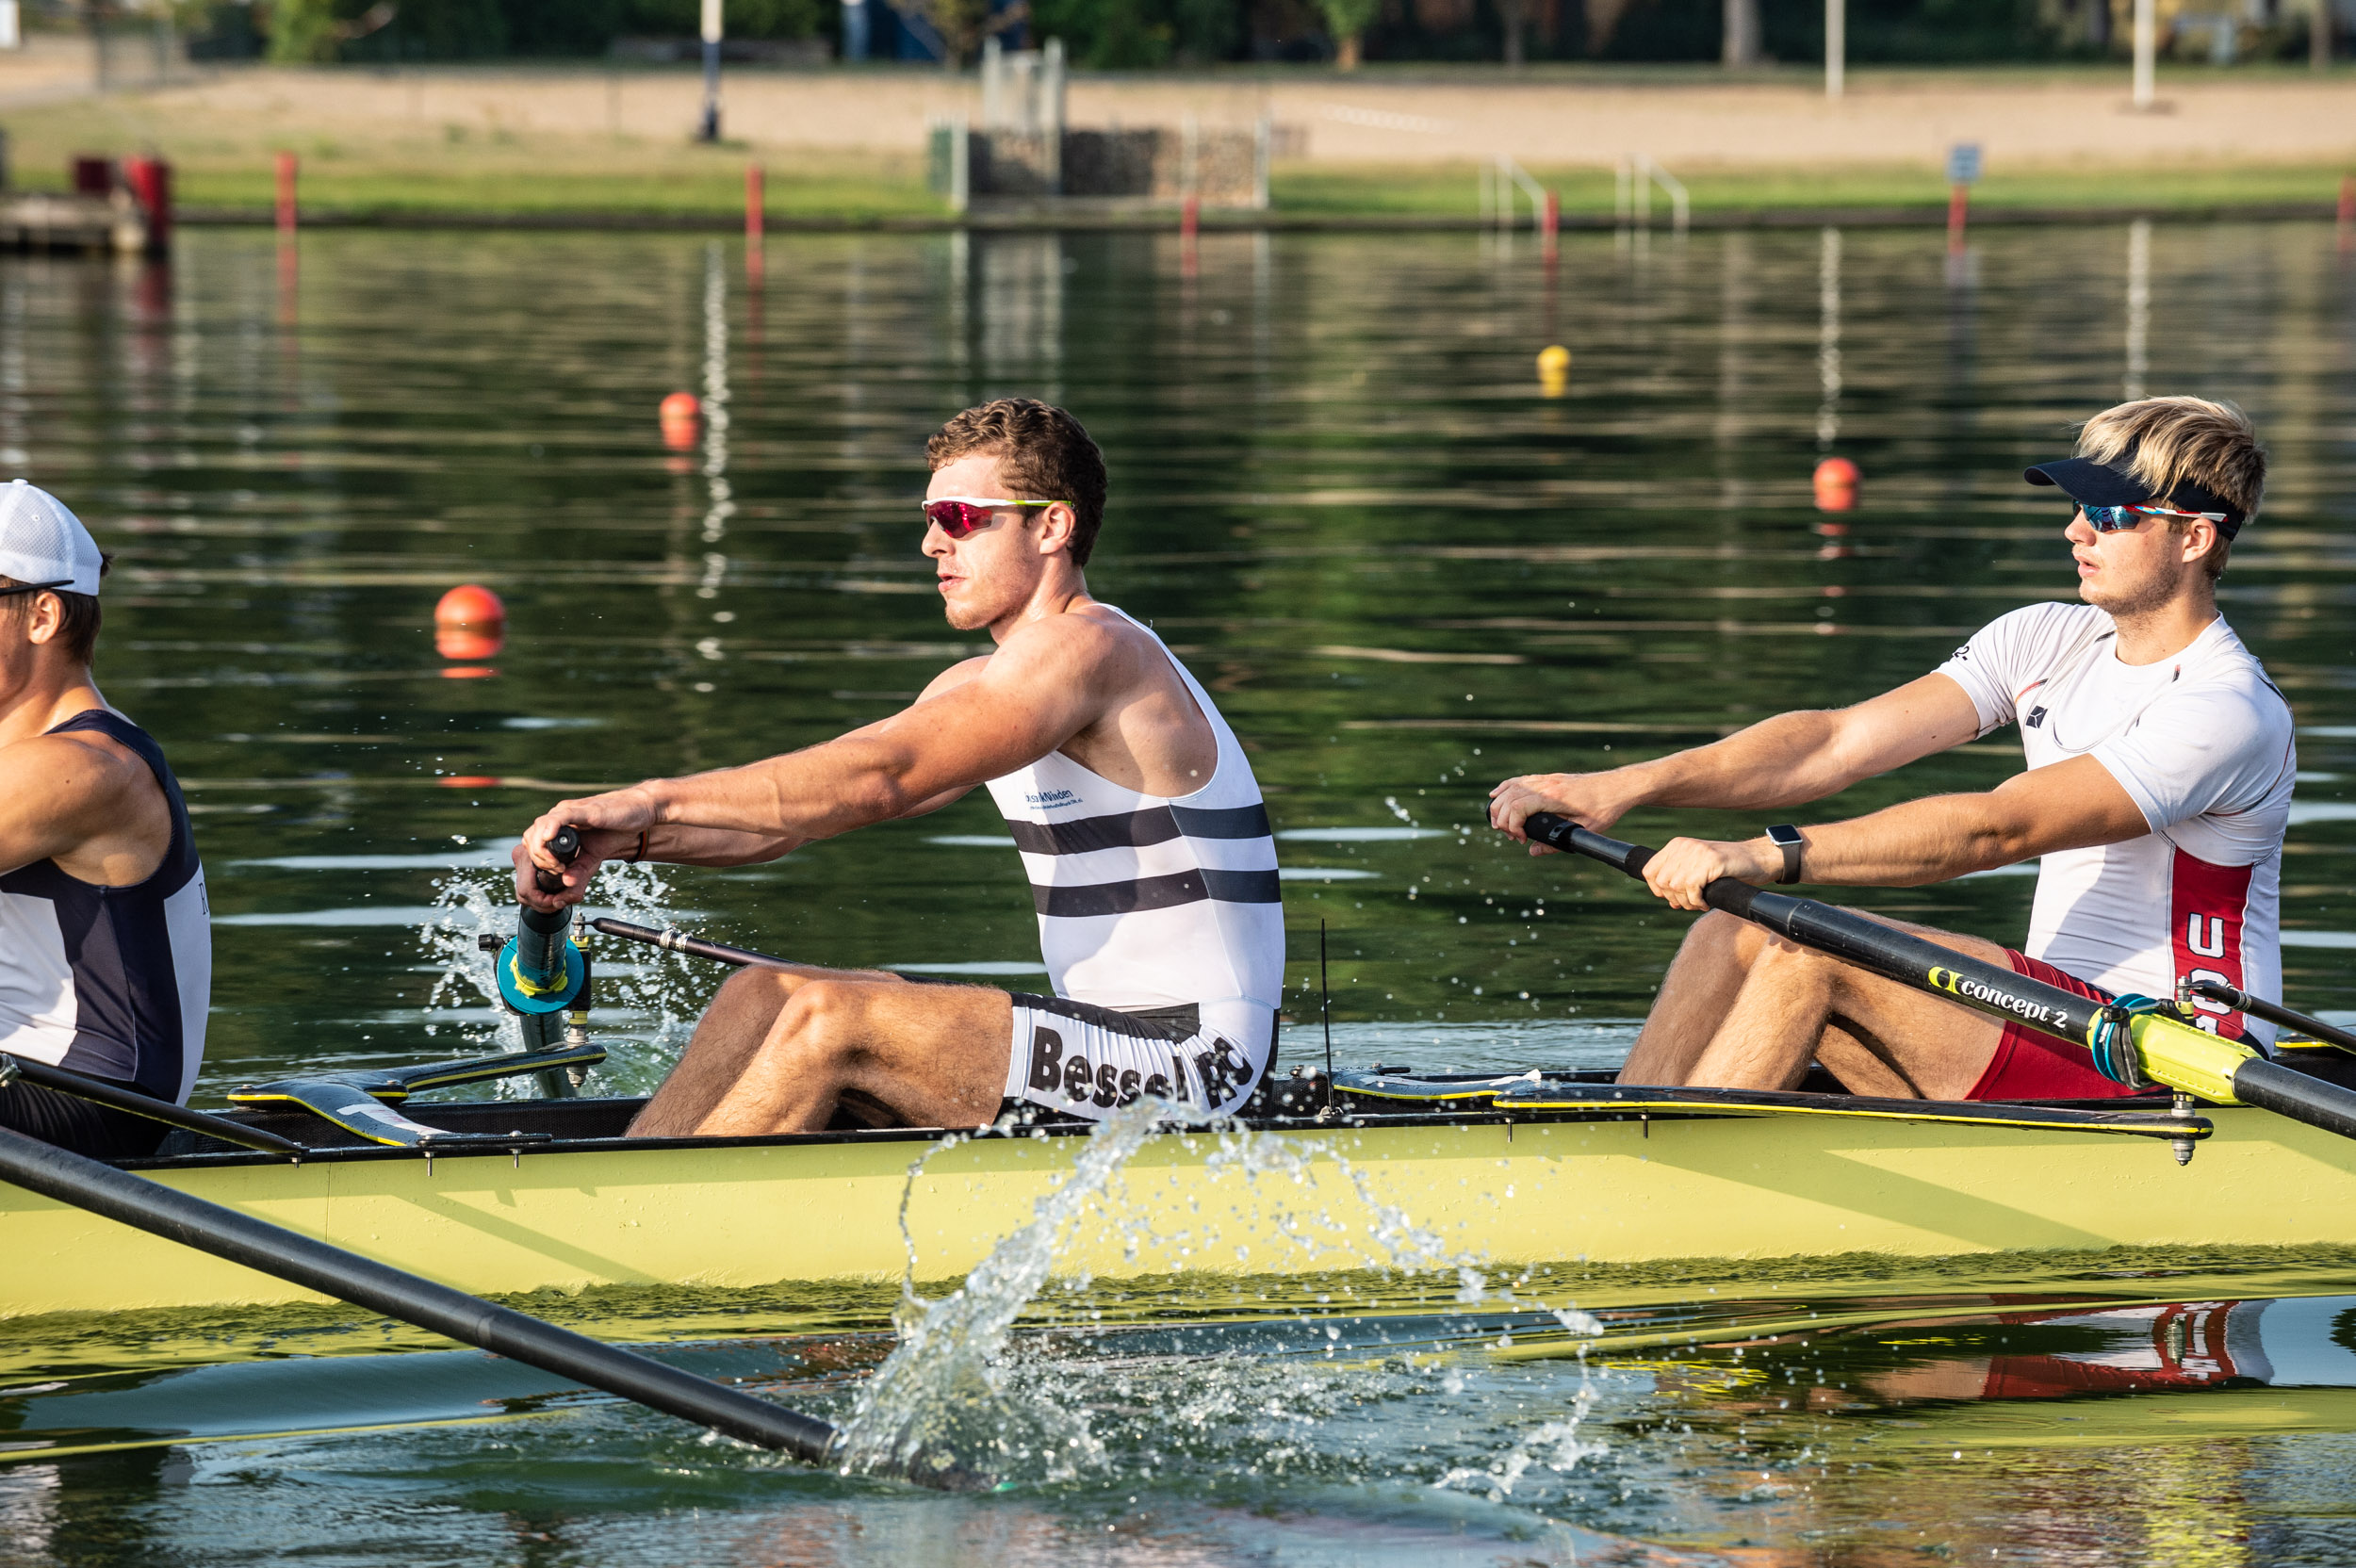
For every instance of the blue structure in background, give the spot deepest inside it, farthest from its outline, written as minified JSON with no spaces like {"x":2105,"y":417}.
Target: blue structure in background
{"x":897,"y":30}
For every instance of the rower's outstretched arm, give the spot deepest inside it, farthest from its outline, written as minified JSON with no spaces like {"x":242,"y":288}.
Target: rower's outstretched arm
{"x":989,"y":716}
{"x":2066,"y":805}
{"x":1787,"y":760}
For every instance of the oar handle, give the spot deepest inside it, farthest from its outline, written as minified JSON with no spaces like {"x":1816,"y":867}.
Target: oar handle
{"x":564,"y":844}
{"x":1559,"y":832}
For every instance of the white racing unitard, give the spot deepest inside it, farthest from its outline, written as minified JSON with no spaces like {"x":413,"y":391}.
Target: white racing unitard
{"x":2201,"y":742}
{"x":1159,"y":921}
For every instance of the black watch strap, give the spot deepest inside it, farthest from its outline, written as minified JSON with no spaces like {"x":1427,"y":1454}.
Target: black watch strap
{"x":1787,"y":838}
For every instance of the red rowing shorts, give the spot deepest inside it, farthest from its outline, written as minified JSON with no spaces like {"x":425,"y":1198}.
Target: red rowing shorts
{"x":2030,"y":1066}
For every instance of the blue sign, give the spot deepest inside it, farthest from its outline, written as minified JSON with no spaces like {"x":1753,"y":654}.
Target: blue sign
{"x":1963,"y":163}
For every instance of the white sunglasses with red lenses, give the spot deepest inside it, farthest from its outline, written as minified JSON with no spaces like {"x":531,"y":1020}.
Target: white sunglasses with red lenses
{"x":958,"y":516}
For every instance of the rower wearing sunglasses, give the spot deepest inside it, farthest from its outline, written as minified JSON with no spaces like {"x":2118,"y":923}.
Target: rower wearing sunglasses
{"x":1141,"y":826}
{"x":2158,"y":787}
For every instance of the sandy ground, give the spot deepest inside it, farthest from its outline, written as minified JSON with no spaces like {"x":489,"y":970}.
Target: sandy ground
{"x":2020,"y":119}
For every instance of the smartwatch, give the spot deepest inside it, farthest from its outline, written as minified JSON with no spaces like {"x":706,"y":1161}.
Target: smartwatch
{"x":1787,"y":838}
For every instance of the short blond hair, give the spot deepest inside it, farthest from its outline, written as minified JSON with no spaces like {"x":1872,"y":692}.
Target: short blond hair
{"x":2166,"y":441}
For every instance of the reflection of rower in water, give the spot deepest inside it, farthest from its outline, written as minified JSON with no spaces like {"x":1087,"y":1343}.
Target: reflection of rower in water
{"x":1140,"y":822}
{"x":2295,"y":1342}
{"x":105,"y":955}
{"x":2158,"y":790}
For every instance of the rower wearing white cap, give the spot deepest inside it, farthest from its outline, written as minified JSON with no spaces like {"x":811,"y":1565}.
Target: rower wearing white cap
{"x":106,"y":953}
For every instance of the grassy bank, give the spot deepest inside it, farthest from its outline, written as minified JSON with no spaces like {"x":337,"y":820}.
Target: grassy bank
{"x":225,"y":161}
{"x":1339,"y":190}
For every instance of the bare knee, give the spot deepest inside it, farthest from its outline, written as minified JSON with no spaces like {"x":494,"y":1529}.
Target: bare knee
{"x":818,"y":1020}
{"x":1721,"y":937}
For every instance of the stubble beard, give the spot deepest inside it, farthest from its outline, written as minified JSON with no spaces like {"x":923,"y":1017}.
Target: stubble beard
{"x":2143,"y":599}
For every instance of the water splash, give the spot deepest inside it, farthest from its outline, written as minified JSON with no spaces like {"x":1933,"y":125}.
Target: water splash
{"x":945,"y":1396}
{"x":646,"y":1001}
{"x":953,"y":1393}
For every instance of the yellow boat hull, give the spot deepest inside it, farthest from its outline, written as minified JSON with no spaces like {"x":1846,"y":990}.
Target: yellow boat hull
{"x":1602,"y":1192}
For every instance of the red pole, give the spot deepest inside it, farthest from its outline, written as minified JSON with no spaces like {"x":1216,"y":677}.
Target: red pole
{"x":2347,"y":200}
{"x":1552,"y":222}
{"x":150,"y":180}
{"x":1958,"y":201}
{"x":756,"y":205}
{"x":286,"y":193}
{"x":1190,"y":218}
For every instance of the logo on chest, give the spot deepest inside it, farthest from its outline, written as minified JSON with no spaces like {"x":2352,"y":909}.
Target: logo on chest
{"x":1051,"y":799}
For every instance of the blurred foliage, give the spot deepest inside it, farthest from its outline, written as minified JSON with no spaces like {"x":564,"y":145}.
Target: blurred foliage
{"x":1132,"y":35}
{"x":318,"y":31}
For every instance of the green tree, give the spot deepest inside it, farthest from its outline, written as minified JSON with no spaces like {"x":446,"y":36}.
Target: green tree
{"x":1348,"y":21}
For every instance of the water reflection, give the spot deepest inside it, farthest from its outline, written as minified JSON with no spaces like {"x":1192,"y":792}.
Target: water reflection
{"x":1340,"y":492}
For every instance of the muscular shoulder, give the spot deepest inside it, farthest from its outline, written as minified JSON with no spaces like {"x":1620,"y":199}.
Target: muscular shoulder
{"x":89,"y":763}
{"x":1090,"y":643}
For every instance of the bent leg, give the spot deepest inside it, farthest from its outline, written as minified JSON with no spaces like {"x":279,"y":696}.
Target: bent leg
{"x":1886,"y":1036}
{"x":790,"y":1046}
{"x":1695,"y":995}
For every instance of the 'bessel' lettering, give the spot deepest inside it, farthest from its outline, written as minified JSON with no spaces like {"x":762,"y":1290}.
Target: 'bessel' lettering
{"x":1046,"y":1059}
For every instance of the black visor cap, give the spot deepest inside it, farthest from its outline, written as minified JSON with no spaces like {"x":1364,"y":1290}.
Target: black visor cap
{"x":2092,"y":483}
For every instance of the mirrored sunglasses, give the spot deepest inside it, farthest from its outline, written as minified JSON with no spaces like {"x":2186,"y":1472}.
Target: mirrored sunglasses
{"x":2111,"y":519}
{"x":958,"y":516}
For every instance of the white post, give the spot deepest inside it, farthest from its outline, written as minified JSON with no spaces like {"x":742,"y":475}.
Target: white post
{"x":960,"y":166}
{"x":710,"y":129}
{"x":2139,"y":309}
{"x":2146,"y":48}
{"x":1837,"y":45}
{"x":12,"y":32}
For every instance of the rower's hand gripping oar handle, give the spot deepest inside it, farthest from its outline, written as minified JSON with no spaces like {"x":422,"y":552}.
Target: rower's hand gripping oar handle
{"x":2154,"y":1045}
{"x":1559,"y":832}
{"x":564,"y":844}
{"x":541,"y":971}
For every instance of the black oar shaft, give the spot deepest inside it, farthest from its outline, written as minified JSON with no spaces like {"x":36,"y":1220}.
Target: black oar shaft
{"x":2286,"y":1091}
{"x":98,"y":1092}
{"x":1900,"y":955}
{"x":2170,"y":1049}
{"x":2273,"y":1012}
{"x":676,"y":941}
{"x":265,"y":1249}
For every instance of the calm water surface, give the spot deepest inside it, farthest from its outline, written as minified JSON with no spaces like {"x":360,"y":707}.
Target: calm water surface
{"x":1342,"y":495}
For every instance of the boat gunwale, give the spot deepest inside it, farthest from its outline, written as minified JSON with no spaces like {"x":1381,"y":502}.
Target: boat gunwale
{"x":1358,"y":1122}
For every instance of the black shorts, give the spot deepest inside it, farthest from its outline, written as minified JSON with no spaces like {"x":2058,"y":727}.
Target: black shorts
{"x":100,"y":1131}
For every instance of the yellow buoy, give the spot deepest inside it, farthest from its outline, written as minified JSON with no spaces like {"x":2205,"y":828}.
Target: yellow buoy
{"x":1554,"y":369}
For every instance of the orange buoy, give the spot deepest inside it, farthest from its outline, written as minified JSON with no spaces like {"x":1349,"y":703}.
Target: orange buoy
{"x":1836,"y":484}
{"x":469,"y":623}
{"x":469,"y":604}
{"x":682,"y":406}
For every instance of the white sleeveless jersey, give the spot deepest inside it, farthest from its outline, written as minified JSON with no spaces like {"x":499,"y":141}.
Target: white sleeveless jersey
{"x":2202,"y":743}
{"x":1148,"y":902}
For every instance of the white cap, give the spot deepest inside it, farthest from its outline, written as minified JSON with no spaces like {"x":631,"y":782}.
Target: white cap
{"x":41,"y":542}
